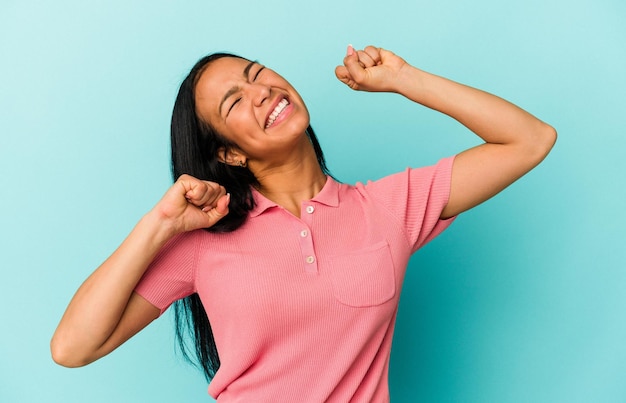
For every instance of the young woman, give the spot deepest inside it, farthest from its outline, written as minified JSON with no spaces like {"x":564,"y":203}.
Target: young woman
{"x":299,"y":275}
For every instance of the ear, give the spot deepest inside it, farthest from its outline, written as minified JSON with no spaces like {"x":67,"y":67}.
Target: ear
{"x":231,"y":157}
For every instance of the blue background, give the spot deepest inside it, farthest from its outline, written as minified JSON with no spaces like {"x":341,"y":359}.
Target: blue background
{"x":521,"y":300}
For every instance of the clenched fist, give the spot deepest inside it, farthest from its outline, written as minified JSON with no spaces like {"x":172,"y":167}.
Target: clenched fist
{"x":192,"y":203}
{"x":371,"y":69}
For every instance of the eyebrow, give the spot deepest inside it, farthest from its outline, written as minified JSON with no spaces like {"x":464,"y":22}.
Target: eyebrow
{"x":233,"y":90}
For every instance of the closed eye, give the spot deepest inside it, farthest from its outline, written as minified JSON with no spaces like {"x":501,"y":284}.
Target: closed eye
{"x":258,"y":72}
{"x":234,"y":90}
{"x":233,"y":105}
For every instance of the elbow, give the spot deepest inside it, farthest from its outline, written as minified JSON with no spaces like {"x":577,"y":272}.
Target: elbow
{"x":65,"y":356}
{"x":543,"y":142}
{"x":549,"y":136}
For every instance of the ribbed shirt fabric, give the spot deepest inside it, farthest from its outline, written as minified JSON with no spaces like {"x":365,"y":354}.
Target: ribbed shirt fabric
{"x":303,"y":309}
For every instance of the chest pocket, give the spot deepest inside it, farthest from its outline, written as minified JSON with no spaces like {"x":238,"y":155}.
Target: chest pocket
{"x":365,"y":277}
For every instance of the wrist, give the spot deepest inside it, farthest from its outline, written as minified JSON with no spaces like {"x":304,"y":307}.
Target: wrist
{"x":158,"y":227}
{"x":414,"y":84}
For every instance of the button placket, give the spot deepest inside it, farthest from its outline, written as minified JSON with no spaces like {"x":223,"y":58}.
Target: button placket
{"x":306,"y":240}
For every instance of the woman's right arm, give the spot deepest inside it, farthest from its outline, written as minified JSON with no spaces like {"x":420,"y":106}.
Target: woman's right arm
{"x":105,"y":311}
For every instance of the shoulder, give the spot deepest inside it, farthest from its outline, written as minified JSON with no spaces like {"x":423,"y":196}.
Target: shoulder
{"x":416,"y":179}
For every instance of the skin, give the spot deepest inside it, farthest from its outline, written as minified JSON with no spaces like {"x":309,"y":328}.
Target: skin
{"x":515,"y":141}
{"x":280,"y":156}
{"x":105,"y":311}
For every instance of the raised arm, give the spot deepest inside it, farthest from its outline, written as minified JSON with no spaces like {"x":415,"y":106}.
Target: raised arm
{"x":105,"y":312}
{"x":515,"y":141}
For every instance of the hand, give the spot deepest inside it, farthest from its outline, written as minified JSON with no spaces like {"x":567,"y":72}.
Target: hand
{"x":192,"y":203}
{"x":372,"y":69}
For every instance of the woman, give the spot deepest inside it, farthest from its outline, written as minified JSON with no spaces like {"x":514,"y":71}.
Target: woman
{"x":299,"y":275}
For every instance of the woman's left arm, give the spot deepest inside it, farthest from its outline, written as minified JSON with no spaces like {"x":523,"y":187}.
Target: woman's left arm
{"x":515,"y":140}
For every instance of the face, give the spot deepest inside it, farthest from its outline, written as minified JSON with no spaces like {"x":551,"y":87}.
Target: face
{"x":251,"y":106}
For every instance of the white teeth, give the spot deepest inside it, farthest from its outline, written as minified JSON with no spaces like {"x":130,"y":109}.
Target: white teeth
{"x":279,"y":108}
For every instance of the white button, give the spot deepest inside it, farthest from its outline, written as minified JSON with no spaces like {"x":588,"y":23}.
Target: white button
{"x":304,"y":233}
{"x":310,"y":259}
{"x":310,"y":209}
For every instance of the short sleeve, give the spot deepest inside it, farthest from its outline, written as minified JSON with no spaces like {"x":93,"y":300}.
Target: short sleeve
{"x":416,"y":197}
{"x":171,"y":274}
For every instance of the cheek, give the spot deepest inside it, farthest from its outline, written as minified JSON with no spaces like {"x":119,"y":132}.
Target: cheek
{"x":240,"y":125}
{"x":243,"y":133}
{"x":301,"y":119}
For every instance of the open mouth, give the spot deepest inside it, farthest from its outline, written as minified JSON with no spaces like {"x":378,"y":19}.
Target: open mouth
{"x":276,"y":112}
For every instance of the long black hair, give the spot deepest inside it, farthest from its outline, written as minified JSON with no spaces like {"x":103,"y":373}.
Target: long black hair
{"x":195,"y":146}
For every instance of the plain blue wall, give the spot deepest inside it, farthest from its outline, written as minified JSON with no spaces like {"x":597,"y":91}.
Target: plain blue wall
{"x":522,"y":300}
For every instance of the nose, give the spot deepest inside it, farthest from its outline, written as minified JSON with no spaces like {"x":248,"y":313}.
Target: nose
{"x":259,"y":93}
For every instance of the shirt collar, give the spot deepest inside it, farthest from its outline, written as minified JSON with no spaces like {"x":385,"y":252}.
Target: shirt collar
{"x":329,"y":196}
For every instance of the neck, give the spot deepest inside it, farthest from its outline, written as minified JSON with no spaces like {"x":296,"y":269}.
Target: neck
{"x":293,"y":181}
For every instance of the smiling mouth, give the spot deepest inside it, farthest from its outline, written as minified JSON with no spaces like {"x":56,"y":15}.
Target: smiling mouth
{"x":276,"y":112}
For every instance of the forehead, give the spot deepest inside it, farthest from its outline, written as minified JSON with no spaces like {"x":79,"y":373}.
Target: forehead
{"x":219,"y":74}
{"x":215,"y":80}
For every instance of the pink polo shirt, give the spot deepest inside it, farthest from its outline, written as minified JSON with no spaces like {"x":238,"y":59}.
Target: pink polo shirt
{"x":303,"y":309}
